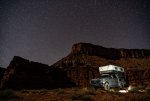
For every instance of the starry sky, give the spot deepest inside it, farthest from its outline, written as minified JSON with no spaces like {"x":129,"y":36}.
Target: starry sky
{"x":44,"y":30}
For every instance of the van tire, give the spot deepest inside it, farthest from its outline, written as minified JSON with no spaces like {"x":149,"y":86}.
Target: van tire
{"x":107,"y":86}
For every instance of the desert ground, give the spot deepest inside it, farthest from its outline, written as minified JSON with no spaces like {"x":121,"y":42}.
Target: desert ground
{"x":72,"y":94}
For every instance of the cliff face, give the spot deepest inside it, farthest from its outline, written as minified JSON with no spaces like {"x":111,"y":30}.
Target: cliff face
{"x":22,"y":73}
{"x":109,"y":53}
{"x":2,"y":70}
{"x":81,"y":65}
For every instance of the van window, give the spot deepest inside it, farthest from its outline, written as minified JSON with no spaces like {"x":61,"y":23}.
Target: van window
{"x":114,"y":76}
{"x":121,"y":69}
{"x":104,"y":76}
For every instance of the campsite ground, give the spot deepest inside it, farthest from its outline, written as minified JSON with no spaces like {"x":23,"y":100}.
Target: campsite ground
{"x":72,"y":94}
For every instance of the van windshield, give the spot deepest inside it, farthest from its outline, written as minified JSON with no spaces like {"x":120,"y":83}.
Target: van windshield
{"x":104,"y":76}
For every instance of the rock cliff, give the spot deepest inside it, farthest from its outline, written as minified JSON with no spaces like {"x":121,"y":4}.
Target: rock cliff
{"x":2,"y":70}
{"x":109,"y":53}
{"x":25,"y":74}
{"x":82,"y":63}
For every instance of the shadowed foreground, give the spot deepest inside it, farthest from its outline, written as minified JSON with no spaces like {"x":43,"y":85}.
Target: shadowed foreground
{"x":75,"y":94}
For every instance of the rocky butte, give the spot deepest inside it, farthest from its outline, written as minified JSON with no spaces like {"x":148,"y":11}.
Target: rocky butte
{"x":81,"y":65}
{"x":25,"y":74}
{"x":77,"y":68}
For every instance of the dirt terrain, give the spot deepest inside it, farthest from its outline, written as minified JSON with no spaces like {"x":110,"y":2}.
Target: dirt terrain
{"x":75,"y":94}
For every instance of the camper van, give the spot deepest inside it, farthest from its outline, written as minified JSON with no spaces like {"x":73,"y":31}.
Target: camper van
{"x":111,"y":76}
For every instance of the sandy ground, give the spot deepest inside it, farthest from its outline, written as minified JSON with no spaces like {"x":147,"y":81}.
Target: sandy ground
{"x":76,"y":94}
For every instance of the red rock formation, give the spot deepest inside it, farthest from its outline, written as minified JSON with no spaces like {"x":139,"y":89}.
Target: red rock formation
{"x":78,"y":68}
{"x":82,"y":63}
{"x":25,"y":74}
{"x":109,"y":53}
{"x":2,"y":70}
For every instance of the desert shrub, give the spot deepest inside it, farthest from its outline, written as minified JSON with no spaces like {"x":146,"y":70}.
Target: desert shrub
{"x":43,"y":91}
{"x":147,"y":90}
{"x":59,"y":91}
{"x":35,"y":91}
{"x":141,"y":87}
{"x":117,"y":93}
{"x":7,"y":94}
{"x":84,"y":94}
{"x":24,"y":91}
{"x":82,"y":97}
{"x":89,"y":91}
{"x":133,"y":90}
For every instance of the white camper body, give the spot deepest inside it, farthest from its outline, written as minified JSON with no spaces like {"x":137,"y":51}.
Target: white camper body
{"x":111,"y":76}
{"x":110,"y":68}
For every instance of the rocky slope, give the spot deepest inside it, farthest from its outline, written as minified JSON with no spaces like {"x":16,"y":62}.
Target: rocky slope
{"x":82,"y":63}
{"x":25,"y":74}
{"x":2,"y":70}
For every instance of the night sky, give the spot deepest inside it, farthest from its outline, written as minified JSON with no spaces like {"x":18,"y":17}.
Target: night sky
{"x":44,"y":30}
